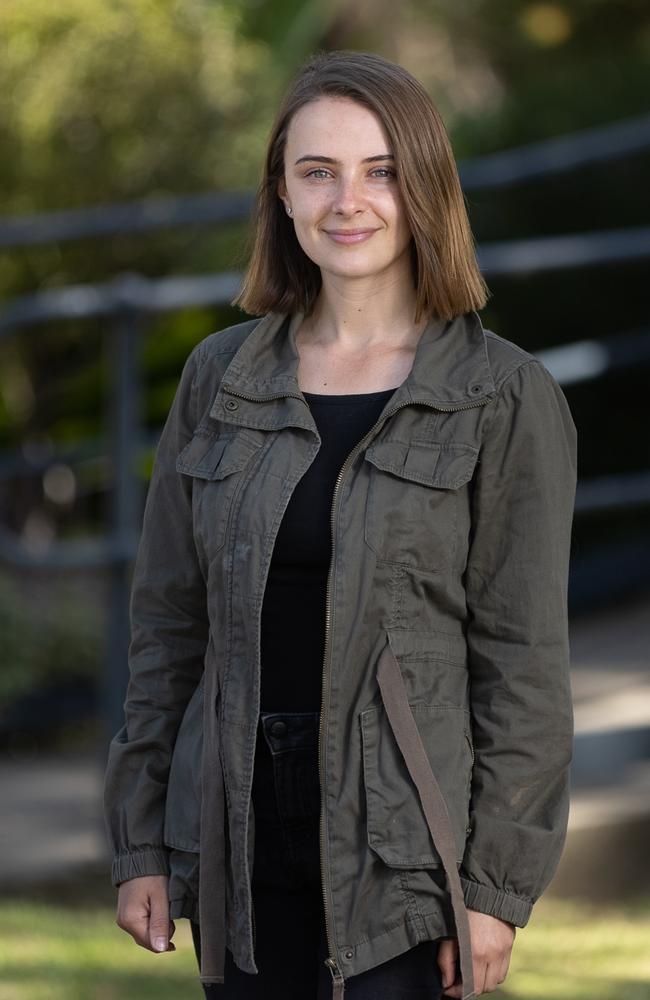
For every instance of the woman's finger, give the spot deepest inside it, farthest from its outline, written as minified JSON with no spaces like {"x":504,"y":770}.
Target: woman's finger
{"x":160,"y":926}
{"x":447,"y":952}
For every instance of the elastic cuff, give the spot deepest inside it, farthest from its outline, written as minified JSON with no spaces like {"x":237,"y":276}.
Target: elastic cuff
{"x":154,"y":861}
{"x":515,"y":909}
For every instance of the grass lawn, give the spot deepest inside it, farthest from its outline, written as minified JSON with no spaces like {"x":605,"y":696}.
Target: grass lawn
{"x":577,"y":951}
{"x":53,"y":950}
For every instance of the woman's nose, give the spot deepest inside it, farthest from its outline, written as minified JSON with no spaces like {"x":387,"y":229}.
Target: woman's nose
{"x":348,"y":196}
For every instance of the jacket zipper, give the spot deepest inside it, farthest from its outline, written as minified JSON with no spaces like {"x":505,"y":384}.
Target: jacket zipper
{"x":338,"y":980}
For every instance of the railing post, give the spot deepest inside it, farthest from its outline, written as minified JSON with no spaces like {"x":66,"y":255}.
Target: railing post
{"x":124,"y":421}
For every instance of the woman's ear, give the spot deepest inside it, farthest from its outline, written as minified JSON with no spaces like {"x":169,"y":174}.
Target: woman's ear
{"x":282,"y":194}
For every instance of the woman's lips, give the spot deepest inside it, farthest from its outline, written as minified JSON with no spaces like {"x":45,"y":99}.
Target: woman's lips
{"x":352,"y":236}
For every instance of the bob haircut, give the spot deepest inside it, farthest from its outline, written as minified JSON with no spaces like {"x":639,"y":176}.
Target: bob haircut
{"x":281,"y":277}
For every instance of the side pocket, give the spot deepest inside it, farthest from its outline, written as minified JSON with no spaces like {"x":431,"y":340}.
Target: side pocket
{"x":183,"y":804}
{"x":396,"y":825}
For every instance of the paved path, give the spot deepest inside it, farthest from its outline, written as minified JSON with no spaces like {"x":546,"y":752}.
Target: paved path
{"x":610,"y":679}
{"x":52,"y":821}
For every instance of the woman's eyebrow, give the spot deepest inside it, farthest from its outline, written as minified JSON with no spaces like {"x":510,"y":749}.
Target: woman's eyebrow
{"x":329,"y":159}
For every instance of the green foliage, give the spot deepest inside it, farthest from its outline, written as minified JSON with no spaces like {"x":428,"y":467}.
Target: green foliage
{"x":114,"y":100}
{"x":507,"y":72}
{"x":105,"y":101}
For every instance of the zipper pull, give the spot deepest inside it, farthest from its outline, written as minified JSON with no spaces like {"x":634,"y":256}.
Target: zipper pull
{"x":338,"y":982}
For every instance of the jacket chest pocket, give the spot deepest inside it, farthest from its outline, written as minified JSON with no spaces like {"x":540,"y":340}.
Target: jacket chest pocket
{"x":414,"y":493}
{"x":397,"y":827}
{"x":216,"y":463}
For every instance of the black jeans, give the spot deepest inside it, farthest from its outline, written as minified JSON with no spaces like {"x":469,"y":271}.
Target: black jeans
{"x":286,"y":886}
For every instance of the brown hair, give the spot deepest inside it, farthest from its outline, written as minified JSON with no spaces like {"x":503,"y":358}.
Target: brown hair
{"x":281,"y":277}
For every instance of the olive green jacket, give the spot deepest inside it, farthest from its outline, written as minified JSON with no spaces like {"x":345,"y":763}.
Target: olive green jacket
{"x":451,"y":525}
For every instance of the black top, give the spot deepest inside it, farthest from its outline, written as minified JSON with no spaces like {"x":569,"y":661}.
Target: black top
{"x":293,"y":610}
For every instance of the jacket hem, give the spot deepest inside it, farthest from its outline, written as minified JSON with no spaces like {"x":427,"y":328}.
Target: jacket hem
{"x":514,"y":909}
{"x":394,"y":941}
{"x":184,"y":906}
{"x":153,"y":861}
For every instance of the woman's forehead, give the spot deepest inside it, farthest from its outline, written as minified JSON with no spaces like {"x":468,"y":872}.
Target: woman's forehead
{"x":338,"y":128}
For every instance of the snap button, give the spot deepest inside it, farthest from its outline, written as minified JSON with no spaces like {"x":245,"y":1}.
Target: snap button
{"x":468,"y":830}
{"x":279,"y":728}
{"x":231,"y":404}
{"x":349,"y":953}
{"x":475,"y":388}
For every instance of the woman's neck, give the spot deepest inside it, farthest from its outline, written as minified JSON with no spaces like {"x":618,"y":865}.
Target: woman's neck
{"x":347,"y":325}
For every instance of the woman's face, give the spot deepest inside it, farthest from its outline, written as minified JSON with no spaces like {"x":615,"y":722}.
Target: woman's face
{"x":340,"y":175}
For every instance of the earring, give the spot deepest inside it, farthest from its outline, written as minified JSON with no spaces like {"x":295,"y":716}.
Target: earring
{"x":289,"y":211}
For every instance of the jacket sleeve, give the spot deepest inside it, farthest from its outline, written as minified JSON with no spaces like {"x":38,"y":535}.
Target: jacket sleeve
{"x":169,"y":634}
{"x":518,"y":646}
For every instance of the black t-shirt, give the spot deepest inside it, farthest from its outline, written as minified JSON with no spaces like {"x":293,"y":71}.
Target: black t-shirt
{"x":293,"y":610}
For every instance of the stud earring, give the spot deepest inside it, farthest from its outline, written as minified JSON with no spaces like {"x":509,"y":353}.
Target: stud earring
{"x":290,"y":211}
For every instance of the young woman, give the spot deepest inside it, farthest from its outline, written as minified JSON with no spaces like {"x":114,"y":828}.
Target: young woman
{"x":348,"y":725}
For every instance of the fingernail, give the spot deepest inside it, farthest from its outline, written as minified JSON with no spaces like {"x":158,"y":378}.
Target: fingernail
{"x":160,"y":944}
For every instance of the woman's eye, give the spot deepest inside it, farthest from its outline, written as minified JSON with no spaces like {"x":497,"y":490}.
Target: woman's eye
{"x":384,"y":171}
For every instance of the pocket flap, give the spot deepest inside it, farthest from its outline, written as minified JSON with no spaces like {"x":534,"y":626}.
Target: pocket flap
{"x":210,"y":456}
{"x":420,"y":644}
{"x":445,"y":466}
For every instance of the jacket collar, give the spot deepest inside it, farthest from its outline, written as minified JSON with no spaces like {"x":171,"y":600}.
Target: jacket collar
{"x":450,"y":369}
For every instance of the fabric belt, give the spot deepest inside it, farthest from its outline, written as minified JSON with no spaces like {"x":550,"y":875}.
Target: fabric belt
{"x":405,"y":730}
{"x":212,"y":849}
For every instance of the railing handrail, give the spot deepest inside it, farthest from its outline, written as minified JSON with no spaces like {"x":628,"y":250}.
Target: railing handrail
{"x":152,"y":295}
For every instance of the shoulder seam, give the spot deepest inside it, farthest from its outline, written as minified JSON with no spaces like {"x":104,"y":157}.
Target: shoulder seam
{"x":531,"y":359}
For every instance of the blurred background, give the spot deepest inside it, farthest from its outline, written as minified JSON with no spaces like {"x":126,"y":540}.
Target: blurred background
{"x":131,"y":141}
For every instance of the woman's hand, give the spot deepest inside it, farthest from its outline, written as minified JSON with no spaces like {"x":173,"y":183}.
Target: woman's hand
{"x":492,"y":940}
{"x":143,"y":912}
